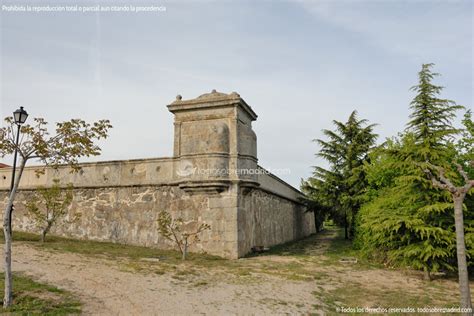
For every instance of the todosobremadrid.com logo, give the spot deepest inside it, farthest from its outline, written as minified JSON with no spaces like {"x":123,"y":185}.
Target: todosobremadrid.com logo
{"x":185,"y":168}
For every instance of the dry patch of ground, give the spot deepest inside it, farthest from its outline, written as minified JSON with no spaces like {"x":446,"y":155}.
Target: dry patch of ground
{"x":305,"y":277}
{"x":105,"y":288}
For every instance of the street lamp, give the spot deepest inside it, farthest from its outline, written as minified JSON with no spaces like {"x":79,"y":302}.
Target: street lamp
{"x":19,"y":116}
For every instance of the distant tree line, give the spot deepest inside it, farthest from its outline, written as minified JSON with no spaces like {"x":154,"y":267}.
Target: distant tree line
{"x":393,"y":198}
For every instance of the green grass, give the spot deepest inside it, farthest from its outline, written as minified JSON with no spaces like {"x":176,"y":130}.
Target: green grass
{"x":341,"y":248}
{"x":340,"y":292}
{"x":170,"y":260}
{"x":88,"y":247}
{"x":299,"y":248}
{"x":357,"y":295}
{"x":336,"y":249}
{"x":111,"y":250}
{"x":129,"y":257}
{"x":33,"y":298}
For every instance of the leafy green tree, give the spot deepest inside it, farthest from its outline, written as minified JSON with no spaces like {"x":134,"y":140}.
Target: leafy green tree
{"x":340,"y":188}
{"x":49,"y":206}
{"x":72,"y":140}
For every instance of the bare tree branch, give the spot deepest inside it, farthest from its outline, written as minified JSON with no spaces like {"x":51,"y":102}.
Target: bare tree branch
{"x":440,"y":185}
{"x":468,"y":186}
{"x":462,"y":172}
{"x":441,"y":181}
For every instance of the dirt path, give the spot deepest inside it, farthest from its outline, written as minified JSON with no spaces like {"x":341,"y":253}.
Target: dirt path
{"x":305,"y":277}
{"x":106,"y":289}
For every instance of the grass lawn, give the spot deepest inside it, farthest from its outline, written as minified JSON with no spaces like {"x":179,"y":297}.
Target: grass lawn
{"x":33,"y":298}
{"x":114,"y":250}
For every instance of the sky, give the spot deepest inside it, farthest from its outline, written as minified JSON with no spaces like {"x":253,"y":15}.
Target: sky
{"x":298,"y":64}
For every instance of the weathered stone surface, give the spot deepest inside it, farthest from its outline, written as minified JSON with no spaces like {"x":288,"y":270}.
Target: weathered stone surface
{"x":119,"y":201}
{"x":265,"y":219}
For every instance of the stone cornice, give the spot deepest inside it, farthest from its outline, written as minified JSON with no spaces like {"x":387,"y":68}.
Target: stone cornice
{"x":211,"y":100}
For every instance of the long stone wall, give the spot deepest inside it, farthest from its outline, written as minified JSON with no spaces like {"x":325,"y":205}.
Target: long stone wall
{"x":136,"y":172}
{"x":128,"y":215}
{"x":119,"y":201}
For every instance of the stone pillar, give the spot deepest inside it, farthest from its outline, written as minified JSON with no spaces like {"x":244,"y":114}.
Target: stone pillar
{"x":214,"y":142}
{"x":215,"y":153}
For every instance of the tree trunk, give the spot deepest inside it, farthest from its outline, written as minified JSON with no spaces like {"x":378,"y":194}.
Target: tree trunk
{"x":316,"y":222}
{"x":185,"y":249}
{"x":45,"y":231}
{"x":427,"y":274}
{"x":8,"y":297}
{"x":461,"y":252}
{"x":43,"y":236}
{"x":346,"y":236}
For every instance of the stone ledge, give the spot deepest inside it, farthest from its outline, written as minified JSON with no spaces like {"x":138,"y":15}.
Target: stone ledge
{"x":157,"y":185}
{"x":200,"y":187}
{"x":211,"y":100}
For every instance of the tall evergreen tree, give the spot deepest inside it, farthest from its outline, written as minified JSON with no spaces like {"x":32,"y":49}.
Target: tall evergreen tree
{"x":340,"y":188}
{"x":406,"y":219}
{"x":431,"y":117}
{"x":399,"y":224}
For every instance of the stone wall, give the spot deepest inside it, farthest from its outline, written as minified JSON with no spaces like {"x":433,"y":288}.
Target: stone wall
{"x":129,"y":215}
{"x":136,"y":172}
{"x":119,"y":201}
{"x":266,"y":219}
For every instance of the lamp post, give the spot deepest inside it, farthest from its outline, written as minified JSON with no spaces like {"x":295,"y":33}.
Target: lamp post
{"x":19,"y":116}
